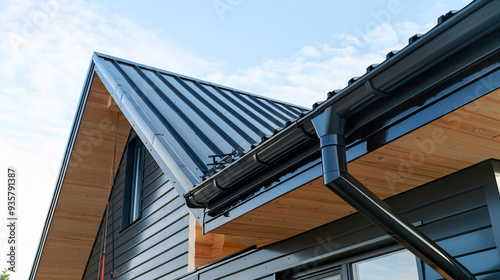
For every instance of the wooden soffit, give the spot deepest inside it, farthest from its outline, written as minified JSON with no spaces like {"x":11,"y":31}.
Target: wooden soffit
{"x":460,"y":139}
{"x":86,"y":187}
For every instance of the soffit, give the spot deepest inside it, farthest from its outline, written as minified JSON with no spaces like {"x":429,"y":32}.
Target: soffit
{"x":460,"y":139}
{"x":85,"y":189}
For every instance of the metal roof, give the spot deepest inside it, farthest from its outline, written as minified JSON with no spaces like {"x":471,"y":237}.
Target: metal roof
{"x":199,"y":123}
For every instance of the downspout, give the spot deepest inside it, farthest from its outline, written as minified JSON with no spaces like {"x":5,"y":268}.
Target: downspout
{"x":330,"y":128}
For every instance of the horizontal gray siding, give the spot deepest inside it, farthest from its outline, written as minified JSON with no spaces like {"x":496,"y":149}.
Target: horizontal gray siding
{"x":454,"y":211}
{"x":153,"y":247}
{"x":468,"y":236}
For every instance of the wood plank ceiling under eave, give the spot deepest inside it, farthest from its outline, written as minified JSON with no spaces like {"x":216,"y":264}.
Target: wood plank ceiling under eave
{"x":85,"y":190}
{"x":460,"y":139}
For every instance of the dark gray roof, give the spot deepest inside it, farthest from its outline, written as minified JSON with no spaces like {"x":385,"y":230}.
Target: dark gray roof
{"x":192,"y":119}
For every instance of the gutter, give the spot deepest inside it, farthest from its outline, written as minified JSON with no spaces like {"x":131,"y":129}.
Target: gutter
{"x":330,"y":128}
{"x":453,"y":33}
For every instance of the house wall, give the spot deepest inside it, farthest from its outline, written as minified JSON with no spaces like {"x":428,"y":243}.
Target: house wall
{"x":459,"y":211}
{"x":156,"y":245}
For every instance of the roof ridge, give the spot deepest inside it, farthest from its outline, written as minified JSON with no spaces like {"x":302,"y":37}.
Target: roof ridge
{"x":224,"y":87}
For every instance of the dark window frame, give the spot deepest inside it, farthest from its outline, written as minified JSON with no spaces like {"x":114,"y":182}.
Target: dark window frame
{"x":344,"y":266}
{"x":132,"y":189}
{"x":321,"y":274}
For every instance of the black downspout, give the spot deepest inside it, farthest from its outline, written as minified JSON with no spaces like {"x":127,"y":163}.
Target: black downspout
{"x":330,"y":128}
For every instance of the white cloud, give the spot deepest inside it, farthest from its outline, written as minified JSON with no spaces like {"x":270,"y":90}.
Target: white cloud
{"x":383,"y":39}
{"x":313,"y":71}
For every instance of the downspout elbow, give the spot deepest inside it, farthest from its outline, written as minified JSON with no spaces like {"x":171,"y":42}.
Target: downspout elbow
{"x":330,"y":129}
{"x":334,"y":157}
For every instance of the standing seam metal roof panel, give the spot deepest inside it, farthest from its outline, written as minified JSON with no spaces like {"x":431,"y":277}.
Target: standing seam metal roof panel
{"x":196,"y":119}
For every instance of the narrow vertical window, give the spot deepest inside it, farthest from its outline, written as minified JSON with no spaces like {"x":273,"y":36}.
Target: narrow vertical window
{"x":132,"y":192}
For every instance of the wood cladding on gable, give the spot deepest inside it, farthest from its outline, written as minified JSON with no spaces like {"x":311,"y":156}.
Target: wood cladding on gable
{"x":85,"y":188}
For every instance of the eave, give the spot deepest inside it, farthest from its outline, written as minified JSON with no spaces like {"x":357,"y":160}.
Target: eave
{"x":451,"y":65}
{"x":457,"y":140}
{"x":83,"y":185}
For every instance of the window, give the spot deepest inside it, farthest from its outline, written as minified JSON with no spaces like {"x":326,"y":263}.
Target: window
{"x":324,"y":274}
{"x":393,"y":266}
{"x":333,"y":277}
{"x":132,"y":192}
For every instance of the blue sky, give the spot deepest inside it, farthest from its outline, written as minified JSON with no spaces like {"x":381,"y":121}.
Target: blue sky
{"x":291,"y":50}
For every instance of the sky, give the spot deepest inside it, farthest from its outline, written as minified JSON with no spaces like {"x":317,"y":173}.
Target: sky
{"x":291,"y":50}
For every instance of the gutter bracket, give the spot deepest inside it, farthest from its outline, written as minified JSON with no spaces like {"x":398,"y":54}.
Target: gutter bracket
{"x":257,"y":160}
{"x":330,"y":127}
{"x":217,"y":185}
{"x":369,"y":86}
{"x":306,"y":133}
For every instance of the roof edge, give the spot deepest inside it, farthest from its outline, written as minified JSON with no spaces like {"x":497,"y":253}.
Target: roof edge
{"x":98,"y":54}
{"x":153,"y":140}
{"x":64,"y":166}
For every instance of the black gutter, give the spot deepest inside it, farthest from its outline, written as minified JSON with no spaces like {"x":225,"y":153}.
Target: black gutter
{"x":462,"y":29}
{"x":330,"y":128}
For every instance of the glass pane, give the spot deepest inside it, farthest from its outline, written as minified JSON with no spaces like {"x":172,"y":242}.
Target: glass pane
{"x":327,"y":274}
{"x":136,"y":184}
{"x":394,"y":266}
{"x":333,"y":277}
